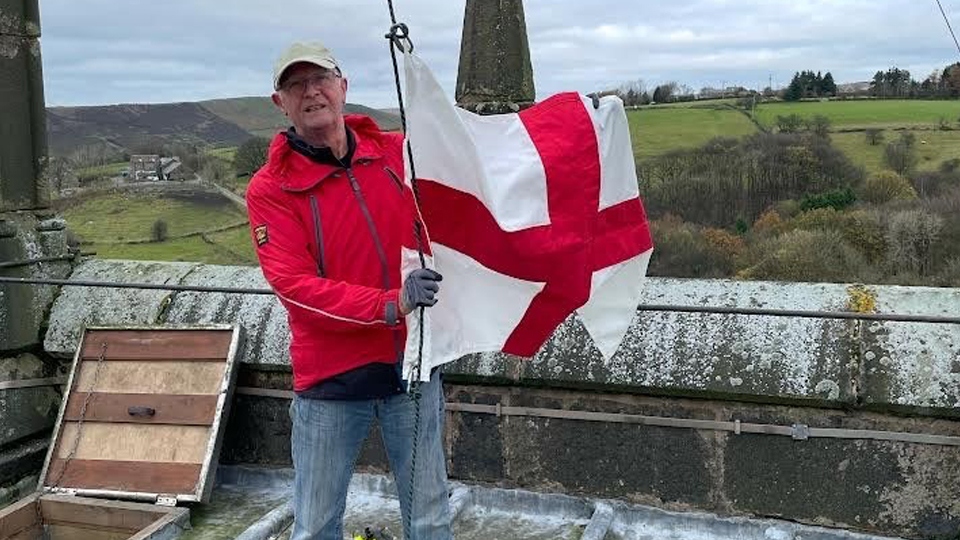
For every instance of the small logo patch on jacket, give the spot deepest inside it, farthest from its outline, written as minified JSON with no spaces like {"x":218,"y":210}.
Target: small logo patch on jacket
{"x":260,"y":233}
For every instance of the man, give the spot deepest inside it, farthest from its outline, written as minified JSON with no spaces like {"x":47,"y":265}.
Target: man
{"x":329,"y":216}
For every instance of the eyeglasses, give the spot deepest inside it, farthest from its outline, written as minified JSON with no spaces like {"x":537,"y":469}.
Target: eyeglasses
{"x":321,"y":79}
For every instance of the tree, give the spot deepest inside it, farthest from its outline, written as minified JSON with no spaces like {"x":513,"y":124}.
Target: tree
{"x":950,"y":81}
{"x":895,"y":82}
{"x":217,"y":171}
{"x":836,"y":199}
{"x":683,"y":250}
{"x":665,"y":92}
{"x":819,"y":125}
{"x":790,"y":123}
{"x":60,"y":175}
{"x":828,"y":87}
{"x":251,"y":155}
{"x":910,"y":234}
{"x":795,"y":90}
{"x":886,"y":186}
{"x":805,"y":255}
{"x":901,"y":156}
{"x":874,"y":136}
{"x":729,"y":179}
{"x":158,"y":232}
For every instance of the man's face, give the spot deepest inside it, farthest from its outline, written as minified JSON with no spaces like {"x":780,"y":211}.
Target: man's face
{"x":312,"y":97}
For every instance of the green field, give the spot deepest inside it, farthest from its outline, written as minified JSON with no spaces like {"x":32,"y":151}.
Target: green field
{"x":109,"y":170}
{"x":223,"y":153}
{"x":192,"y":249}
{"x":861,"y":114}
{"x":661,"y":128}
{"x":126,"y":217}
{"x":655,"y":130}
{"x":933,"y":148}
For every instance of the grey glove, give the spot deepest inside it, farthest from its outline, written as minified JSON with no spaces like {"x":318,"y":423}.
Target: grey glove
{"x":419,"y":289}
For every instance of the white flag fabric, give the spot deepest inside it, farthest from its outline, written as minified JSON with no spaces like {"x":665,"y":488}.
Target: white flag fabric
{"x":530,"y":217}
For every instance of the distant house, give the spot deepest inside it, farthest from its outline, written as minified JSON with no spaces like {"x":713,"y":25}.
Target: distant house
{"x":153,"y":168}
{"x":171,"y":168}
{"x":144,"y":168}
{"x":861,"y":88}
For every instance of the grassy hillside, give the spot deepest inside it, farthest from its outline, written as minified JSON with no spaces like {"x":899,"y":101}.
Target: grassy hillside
{"x":217,"y":123}
{"x":886,"y":114}
{"x":127,"y":126}
{"x":201,"y":227}
{"x":129,"y":216}
{"x":655,"y":130}
{"x":259,"y":116}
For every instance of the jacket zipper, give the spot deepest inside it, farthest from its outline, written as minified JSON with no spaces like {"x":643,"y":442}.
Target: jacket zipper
{"x":318,"y":236}
{"x":384,"y":268}
{"x":395,"y":177}
{"x":358,"y":194}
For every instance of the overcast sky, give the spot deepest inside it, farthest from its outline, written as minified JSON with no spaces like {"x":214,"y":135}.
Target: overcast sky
{"x":139,"y":51}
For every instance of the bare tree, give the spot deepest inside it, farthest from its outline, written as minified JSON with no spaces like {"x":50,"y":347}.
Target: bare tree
{"x":874,"y":136}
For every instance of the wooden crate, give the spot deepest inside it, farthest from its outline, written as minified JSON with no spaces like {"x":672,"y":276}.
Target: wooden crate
{"x":142,"y":421}
{"x":68,"y":517}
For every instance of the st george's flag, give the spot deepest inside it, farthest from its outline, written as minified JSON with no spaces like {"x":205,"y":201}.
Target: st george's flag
{"x":531,"y":217}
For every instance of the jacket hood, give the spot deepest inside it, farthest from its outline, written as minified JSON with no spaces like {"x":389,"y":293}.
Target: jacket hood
{"x":296,"y":172}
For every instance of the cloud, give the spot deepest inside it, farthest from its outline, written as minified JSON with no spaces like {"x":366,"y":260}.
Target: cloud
{"x":105,"y":51}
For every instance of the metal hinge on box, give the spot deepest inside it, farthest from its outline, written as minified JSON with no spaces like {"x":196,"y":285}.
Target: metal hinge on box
{"x":166,"y":500}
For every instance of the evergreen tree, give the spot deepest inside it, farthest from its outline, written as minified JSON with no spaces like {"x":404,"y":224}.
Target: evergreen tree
{"x":795,"y":91}
{"x":828,"y":87}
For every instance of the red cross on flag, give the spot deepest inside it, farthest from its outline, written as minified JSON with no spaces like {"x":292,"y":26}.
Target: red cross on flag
{"x":531,"y":217}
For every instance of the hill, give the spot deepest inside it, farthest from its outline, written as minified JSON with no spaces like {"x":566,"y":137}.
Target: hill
{"x":259,"y":116}
{"x":127,"y":126}
{"x":218,"y":123}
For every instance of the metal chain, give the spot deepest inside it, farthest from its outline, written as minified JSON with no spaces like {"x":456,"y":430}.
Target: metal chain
{"x":83,"y":411}
{"x":45,"y":530}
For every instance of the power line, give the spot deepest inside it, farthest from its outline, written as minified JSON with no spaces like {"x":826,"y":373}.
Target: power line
{"x":949,"y":27}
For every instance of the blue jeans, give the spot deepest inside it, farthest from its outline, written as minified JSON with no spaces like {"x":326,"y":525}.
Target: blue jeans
{"x":327,"y":436}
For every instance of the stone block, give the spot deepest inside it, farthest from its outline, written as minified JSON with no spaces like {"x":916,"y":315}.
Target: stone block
{"x":23,"y":308}
{"x":26,"y":412}
{"x":78,"y":307}
{"x":263,"y":318}
{"x":704,"y":354}
{"x":913,"y":364}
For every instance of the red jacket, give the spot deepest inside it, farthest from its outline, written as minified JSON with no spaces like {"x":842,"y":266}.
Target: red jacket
{"x":329,"y":242}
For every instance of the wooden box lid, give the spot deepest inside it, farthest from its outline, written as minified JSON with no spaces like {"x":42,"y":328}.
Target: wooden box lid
{"x":149,"y":405}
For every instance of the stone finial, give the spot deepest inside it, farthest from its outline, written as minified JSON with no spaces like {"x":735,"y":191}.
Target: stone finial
{"x":495,"y":74}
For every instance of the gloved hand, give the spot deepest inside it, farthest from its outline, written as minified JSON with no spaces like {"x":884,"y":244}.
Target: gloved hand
{"x":419,"y":289}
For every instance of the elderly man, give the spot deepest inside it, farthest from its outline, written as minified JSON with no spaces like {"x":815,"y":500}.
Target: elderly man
{"x":329,"y":216}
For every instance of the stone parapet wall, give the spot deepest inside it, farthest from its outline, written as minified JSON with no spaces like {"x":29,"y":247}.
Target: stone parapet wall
{"x":760,"y":358}
{"x":762,"y":370}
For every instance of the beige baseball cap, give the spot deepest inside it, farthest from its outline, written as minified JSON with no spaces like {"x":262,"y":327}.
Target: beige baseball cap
{"x":311,"y":52}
